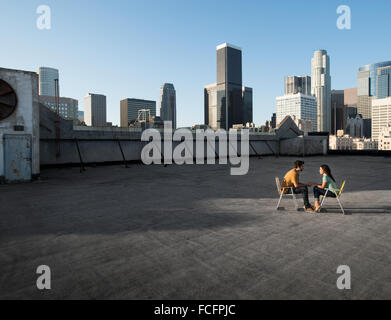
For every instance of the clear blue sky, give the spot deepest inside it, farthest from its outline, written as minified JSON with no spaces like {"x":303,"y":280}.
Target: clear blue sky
{"x":128,"y":48}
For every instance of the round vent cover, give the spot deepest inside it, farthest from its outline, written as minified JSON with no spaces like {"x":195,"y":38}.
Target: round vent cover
{"x":8,"y":100}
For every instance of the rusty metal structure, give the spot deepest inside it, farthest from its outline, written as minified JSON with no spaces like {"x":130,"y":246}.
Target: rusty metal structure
{"x":57,"y":99}
{"x":8,"y":100}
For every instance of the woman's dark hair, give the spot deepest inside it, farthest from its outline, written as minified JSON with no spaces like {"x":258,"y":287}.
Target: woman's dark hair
{"x":298,"y":164}
{"x":327,"y":169}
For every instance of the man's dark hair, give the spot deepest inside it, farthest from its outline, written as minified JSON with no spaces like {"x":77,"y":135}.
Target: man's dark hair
{"x":298,"y":164}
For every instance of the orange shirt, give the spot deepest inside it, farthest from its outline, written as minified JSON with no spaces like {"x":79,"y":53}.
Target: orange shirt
{"x":290,"y":179}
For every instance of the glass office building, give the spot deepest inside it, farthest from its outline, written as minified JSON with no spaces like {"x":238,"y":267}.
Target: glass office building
{"x":167,"y":102}
{"x":372,"y":69}
{"x":46,"y":81}
{"x":227,"y":102}
{"x":383,"y":82}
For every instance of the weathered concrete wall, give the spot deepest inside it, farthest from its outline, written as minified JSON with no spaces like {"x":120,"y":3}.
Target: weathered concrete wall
{"x":303,"y":145}
{"x":25,"y":85}
{"x":100,"y":145}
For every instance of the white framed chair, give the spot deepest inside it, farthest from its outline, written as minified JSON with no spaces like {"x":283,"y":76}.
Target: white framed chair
{"x":281,"y":193}
{"x":338,"y":196}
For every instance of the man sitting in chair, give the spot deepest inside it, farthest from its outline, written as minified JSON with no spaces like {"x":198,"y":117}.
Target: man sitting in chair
{"x":291,"y":180}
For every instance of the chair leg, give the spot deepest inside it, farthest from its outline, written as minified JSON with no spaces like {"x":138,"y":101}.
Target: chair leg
{"x":295,"y":200}
{"x":279,"y":201}
{"x":323,"y":201}
{"x":340,"y":204}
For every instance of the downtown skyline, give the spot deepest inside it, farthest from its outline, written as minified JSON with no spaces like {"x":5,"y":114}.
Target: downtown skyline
{"x":189,"y":62}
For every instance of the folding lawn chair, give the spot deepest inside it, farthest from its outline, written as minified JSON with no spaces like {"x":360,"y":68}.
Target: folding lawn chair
{"x":338,"y":196}
{"x":282,"y":194}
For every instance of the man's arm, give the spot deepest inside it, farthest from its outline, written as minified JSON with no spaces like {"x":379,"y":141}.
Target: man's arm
{"x":297,"y":184}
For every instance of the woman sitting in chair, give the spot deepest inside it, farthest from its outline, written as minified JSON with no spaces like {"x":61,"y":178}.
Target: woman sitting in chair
{"x":328,"y":186}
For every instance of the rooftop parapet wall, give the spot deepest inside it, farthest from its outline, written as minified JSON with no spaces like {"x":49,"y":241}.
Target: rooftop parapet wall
{"x":89,"y":145}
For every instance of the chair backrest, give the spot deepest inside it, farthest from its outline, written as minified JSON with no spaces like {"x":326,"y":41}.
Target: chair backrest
{"x":278,"y":184}
{"x":342,"y":187}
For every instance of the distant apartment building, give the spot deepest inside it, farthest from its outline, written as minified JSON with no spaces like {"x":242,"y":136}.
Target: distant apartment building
{"x":295,"y":84}
{"x":230,"y":102}
{"x":321,"y":89}
{"x":340,"y":141}
{"x":130,"y":109}
{"x":381,"y":116}
{"x":385,"y":138}
{"x":95,"y":110}
{"x":168,"y":103}
{"x":346,"y":142}
{"x":47,"y":76}
{"x":297,"y":105}
{"x":364,"y":144}
{"x":67,"y":107}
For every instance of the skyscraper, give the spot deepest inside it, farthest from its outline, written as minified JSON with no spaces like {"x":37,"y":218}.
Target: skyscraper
{"x":210,"y":105}
{"x":294,"y":84}
{"x":297,"y":105}
{"x":363,"y":94}
{"x":168,"y":103}
{"x":350,"y":102}
{"x":95,"y":110}
{"x":367,"y":89}
{"x":381,"y":116}
{"x":321,"y":89}
{"x":383,"y":89}
{"x":338,"y":111}
{"x":233,"y":101}
{"x":131,"y":107}
{"x":46,"y":81}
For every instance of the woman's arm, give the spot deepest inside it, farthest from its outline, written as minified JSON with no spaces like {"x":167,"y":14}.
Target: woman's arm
{"x":322,"y":186}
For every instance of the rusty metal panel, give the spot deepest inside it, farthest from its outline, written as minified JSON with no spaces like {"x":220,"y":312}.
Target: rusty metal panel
{"x":17,"y":157}
{"x":8,"y":100}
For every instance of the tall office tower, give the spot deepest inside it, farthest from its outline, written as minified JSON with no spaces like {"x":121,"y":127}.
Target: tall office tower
{"x":131,"y":107}
{"x":210,"y":106}
{"x":383,"y":80}
{"x":168,"y":103}
{"x":321,"y":89}
{"x":247,"y":105}
{"x":350,"y":102}
{"x":381,"y":116}
{"x":95,"y":110}
{"x":367,"y":90}
{"x":338,"y":111}
{"x":294,"y":84}
{"x":297,"y":105}
{"x":364,"y":94}
{"x":46,"y":81}
{"x":233,"y":102}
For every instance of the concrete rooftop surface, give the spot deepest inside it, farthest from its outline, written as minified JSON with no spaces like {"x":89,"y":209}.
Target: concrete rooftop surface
{"x":195,"y":232}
